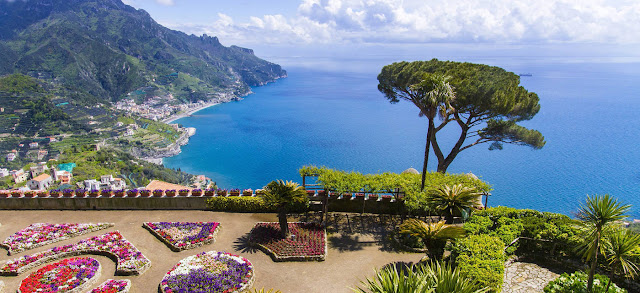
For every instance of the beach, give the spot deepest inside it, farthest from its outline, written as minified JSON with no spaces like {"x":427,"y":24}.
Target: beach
{"x":188,"y":112}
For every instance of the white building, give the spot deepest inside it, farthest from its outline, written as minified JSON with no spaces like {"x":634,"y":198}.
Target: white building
{"x":91,"y":184}
{"x":11,"y":157}
{"x":42,"y":182}
{"x":19,"y":176}
{"x":4,"y":172}
{"x":33,"y":145}
{"x":108,"y":182}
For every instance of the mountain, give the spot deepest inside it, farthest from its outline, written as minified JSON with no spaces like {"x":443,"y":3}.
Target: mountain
{"x":107,"y":49}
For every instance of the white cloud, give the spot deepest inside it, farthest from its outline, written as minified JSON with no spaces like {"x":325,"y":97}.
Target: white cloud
{"x":419,"y":21}
{"x":165,"y":2}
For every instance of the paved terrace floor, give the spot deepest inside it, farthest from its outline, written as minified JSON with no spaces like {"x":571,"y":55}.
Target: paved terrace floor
{"x":354,"y":251}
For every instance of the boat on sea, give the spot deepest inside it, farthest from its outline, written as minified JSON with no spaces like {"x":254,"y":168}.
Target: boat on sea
{"x":525,"y":74}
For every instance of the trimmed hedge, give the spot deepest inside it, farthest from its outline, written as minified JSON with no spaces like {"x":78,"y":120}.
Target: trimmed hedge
{"x":238,"y":204}
{"x":481,"y":258}
{"x":509,"y":224}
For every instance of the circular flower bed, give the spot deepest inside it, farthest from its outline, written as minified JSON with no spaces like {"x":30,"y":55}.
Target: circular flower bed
{"x":69,"y":275}
{"x":209,"y":272}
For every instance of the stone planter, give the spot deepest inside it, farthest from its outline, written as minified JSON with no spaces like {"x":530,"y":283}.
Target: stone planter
{"x":170,"y":193}
{"x":196,"y":192}
{"x":43,"y":194}
{"x":105,"y":193}
{"x":359,"y":196}
{"x":30,"y":194}
{"x":234,"y":193}
{"x":222,"y":193}
{"x":373,"y":197}
{"x":145,"y":193}
{"x":183,"y":193}
{"x":158,"y":193}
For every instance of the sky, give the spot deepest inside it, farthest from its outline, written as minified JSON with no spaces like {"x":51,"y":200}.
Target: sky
{"x":321,"y":25}
{"x":412,"y":21}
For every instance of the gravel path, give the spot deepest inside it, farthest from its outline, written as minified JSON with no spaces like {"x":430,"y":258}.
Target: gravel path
{"x":524,"y":277}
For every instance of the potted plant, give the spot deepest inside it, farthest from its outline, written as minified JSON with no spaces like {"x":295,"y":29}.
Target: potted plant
{"x":359,"y":196}
{"x":132,"y":192}
{"x":54,"y":193}
{"x":373,"y":197}
{"x":210,"y":192}
{"x":346,"y":196}
{"x":94,"y":193}
{"x":67,"y":193}
{"x":170,"y":192}
{"x":197,"y":192}
{"x":16,"y":193}
{"x":221,"y":192}
{"x":43,"y":193}
{"x":119,"y":193}
{"x":311,"y":193}
{"x":158,"y":193}
{"x":81,"y":192}
{"x":234,"y":192}
{"x":259,"y":192}
{"x":183,"y":192}
{"x":30,"y":194}
{"x":105,"y":193}
{"x":4,"y":194}
{"x":247,"y":192}
{"x":386,"y":198}
{"x":145,"y":193}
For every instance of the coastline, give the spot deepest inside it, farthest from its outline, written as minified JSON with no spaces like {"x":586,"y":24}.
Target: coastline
{"x":189,"y":112}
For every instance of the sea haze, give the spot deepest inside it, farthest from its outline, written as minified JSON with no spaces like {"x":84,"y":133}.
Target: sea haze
{"x":328,"y":112}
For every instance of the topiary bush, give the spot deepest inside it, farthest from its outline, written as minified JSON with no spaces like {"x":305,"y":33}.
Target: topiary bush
{"x":577,"y":283}
{"x":238,"y":204}
{"x":481,"y":258}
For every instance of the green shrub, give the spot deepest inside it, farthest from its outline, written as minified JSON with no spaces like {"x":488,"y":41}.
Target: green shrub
{"x":577,"y":283}
{"x":478,"y":224}
{"x":238,"y":204}
{"x":481,"y":258}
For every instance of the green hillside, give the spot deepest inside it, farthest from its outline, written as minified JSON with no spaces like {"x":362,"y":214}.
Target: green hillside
{"x":107,"y":49}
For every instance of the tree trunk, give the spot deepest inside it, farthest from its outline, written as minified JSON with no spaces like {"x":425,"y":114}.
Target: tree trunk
{"x":609,"y":283}
{"x":594,"y":263}
{"x":426,"y":152}
{"x":284,"y":226}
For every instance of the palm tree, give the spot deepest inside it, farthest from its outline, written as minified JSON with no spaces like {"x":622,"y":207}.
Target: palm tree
{"x":285,"y":197}
{"x":433,"y":235}
{"x":620,"y":250}
{"x":432,"y":95}
{"x":452,"y":200}
{"x":598,"y":214}
{"x":433,"y":277}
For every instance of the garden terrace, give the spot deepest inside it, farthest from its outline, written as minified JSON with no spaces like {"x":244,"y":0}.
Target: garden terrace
{"x":352,"y":252}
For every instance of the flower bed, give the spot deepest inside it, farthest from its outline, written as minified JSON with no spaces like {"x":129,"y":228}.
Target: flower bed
{"x":129,"y":260}
{"x":70,"y":276}
{"x":209,"y":272}
{"x":40,"y":234}
{"x":308,"y":243}
{"x":184,"y":235}
{"x":113,"y":286}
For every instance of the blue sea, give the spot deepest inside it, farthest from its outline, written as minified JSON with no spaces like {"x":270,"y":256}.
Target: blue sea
{"x":328,"y":112}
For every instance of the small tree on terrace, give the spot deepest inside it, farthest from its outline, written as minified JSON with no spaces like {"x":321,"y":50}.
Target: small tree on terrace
{"x":285,"y":197}
{"x":621,"y":249}
{"x":454,"y":200}
{"x":598,"y":215}
{"x":433,"y":235}
{"x":488,"y":104}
